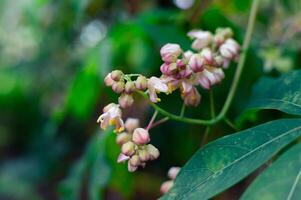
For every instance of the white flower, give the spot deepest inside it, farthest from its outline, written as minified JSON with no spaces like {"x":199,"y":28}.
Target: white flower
{"x":230,"y":49}
{"x":111,"y":116}
{"x":156,"y":85}
{"x":170,"y":52}
{"x":202,"y":39}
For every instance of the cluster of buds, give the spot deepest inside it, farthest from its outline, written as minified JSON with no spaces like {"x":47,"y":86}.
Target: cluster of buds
{"x":134,"y":146}
{"x":172,"y":174}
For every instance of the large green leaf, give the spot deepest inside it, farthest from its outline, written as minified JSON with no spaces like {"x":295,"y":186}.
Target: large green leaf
{"x":282,"y":180}
{"x":227,"y":160}
{"x":283,"y":93}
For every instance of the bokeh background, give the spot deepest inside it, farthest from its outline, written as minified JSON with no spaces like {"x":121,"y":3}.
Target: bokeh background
{"x":53,"y":58}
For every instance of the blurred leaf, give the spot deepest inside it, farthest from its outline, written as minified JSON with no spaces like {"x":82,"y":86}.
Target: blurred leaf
{"x":281,"y":180}
{"x":225,"y":161}
{"x":94,"y":161}
{"x":283,"y":93}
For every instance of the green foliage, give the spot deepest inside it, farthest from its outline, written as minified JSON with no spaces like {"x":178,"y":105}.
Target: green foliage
{"x":227,"y":160}
{"x":279,"y":181}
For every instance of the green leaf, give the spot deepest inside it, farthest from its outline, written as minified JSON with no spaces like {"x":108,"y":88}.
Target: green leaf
{"x":282,"y":180}
{"x":225,"y":161}
{"x":283,"y":93}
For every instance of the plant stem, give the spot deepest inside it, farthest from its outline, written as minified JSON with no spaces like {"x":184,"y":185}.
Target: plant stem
{"x":152,"y":120}
{"x":205,"y":137}
{"x":183,"y":110}
{"x":161,"y":121}
{"x":235,"y":81}
{"x":230,"y":124}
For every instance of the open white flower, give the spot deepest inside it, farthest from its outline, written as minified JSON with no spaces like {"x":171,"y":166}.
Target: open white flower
{"x":111,"y":116}
{"x":156,"y":85}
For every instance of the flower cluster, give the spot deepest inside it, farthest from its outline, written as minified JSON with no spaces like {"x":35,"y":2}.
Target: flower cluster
{"x":172,"y":174}
{"x":134,"y":145}
{"x":184,"y":70}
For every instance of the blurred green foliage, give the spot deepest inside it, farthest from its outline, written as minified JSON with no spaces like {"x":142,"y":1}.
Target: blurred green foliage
{"x":53,"y":57}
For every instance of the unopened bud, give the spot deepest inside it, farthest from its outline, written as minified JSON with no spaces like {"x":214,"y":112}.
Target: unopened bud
{"x":116,"y":75}
{"x":122,"y":138}
{"x":168,"y":69}
{"x":143,"y":155}
{"x":135,"y":161}
{"x":165,"y":187}
{"x":153,"y":152}
{"x":208,"y":56}
{"x":170,"y":52}
{"x":118,"y":87}
{"x":125,"y":100}
{"x":131,"y":124}
{"x":192,"y":98}
{"x":131,"y":168}
{"x":141,"y":83}
{"x":196,"y":63}
{"x":140,"y":136}
{"x":108,"y":80}
{"x":128,"y":148}
{"x":219,"y":61}
{"x":173,"y":172}
{"x":130,"y":87}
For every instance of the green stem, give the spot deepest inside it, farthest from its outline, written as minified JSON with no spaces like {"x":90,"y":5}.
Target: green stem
{"x":231,"y":124}
{"x":183,"y":110}
{"x":235,"y":81}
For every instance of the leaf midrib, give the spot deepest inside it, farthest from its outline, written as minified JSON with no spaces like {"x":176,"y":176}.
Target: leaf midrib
{"x":290,"y":195}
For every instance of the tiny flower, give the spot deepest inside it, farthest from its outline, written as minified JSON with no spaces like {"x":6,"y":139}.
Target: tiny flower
{"x":141,"y":83}
{"x":196,"y":63}
{"x":192,"y":98}
{"x":222,"y":34}
{"x":156,"y":85}
{"x":202,"y":39}
{"x":131,"y":124}
{"x":206,"y":79}
{"x":169,"y":69}
{"x":118,"y":87}
{"x":126,"y":100}
{"x":116,"y":75}
{"x":187,"y":55}
{"x":143,"y":155}
{"x":153,"y":152}
{"x":186,"y":87}
{"x":219,"y":61}
{"x":165,"y":187}
{"x":229,"y":49}
{"x":130,"y":87}
{"x":170,"y":52}
{"x":173,"y":172}
{"x":122,"y":158}
{"x":134,"y":161}
{"x":122,"y":138}
{"x":108,"y":80}
{"x":128,"y":148}
{"x":111,"y":116}
{"x":131,"y":168}
{"x":140,"y":136}
{"x":208,"y":56}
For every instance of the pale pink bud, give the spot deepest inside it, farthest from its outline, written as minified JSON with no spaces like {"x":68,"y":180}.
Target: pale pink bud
{"x":140,"y":136}
{"x":181,"y":64}
{"x":202,"y":39}
{"x":134,"y":161}
{"x":116,"y":75}
{"x":188,"y":54}
{"x":229,"y":49}
{"x":141,"y":83}
{"x":131,"y":168}
{"x":118,"y":87}
{"x":208,"y":56}
{"x":131,"y":124}
{"x":122,"y":138}
{"x":206,"y":79}
{"x":143,"y":155}
{"x":108,"y":80}
{"x":170,"y":52}
{"x":196,"y":63}
{"x":153,"y":152}
{"x":130,"y":87}
{"x":128,"y":148}
{"x":192,"y":98}
{"x":219,"y":61}
{"x":173,"y":172}
{"x":122,"y":158}
{"x":125,"y":100}
{"x":165,"y":187}
{"x":169,"y":69}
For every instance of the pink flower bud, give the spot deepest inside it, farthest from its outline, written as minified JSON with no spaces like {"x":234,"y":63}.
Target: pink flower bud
{"x":126,"y":100}
{"x":230,"y":49}
{"x":219,"y":61}
{"x":122,"y":158}
{"x":202,"y":39}
{"x":118,"y":87}
{"x":128,"y":148}
{"x":131,"y":168}
{"x":141,"y":83}
{"x":192,"y":98}
{"x":188,"y":54}
{"x":153,"y":152}
{"x":130,"y":87}
{"x":140,"y":136}
{"x":116,"y":75}
{"x":169,"y":69}
{"x":173,"y":172}
{"x":196,"y":63}
{"x":108,"y":80}
{"x":134,"y":161}
{"x":208,"y":56}
{"x":170,"y":52}
{"x":131,"y":124}
{"x":122,"y":138}
{"x":165,"y":187}
{"x":181,"y":64}
{"x":143,"y":155}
